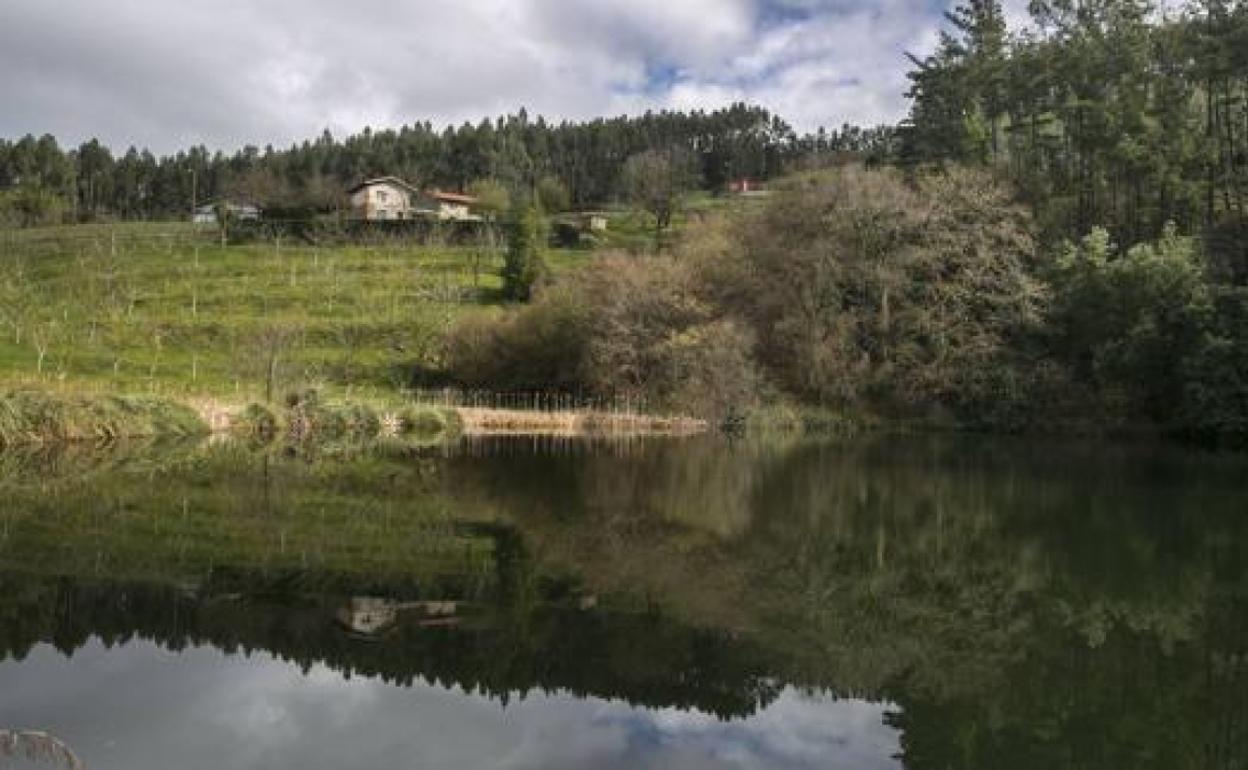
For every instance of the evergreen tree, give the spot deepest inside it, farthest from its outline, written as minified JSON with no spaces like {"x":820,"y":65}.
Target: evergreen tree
{"x":524,"y":265}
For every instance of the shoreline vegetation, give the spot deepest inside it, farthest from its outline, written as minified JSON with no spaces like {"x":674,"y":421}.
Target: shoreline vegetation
{"x":43,"y":418}
{"x":851,"y":299}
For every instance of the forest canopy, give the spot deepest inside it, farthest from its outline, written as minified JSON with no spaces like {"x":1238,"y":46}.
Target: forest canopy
{"x":1103,"y":113}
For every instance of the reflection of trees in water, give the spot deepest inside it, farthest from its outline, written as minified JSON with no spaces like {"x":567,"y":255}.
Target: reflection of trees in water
{"x":1025,"y":605}
{"x":38,"y":746}
{"x":1023,"y":611}
{"x":552,"y":646}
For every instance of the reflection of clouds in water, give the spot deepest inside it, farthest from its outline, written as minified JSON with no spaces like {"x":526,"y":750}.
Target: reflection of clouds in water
{"x":796,"y":731}
{"x":266,"y":706}
{"x":139,"y":707}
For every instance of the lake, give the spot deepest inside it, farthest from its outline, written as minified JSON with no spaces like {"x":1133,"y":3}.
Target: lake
{"x":880,"y":602}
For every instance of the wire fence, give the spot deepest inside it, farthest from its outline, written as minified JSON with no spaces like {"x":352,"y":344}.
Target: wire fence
{"x":268,"y":231}
{"x":530,"y":401}
{"x":241,"y":390}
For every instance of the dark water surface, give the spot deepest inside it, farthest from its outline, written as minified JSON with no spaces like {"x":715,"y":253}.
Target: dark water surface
{"x":877,"y":603}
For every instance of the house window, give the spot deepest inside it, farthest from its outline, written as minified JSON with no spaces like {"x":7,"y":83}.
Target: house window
{"x":381,"y":196}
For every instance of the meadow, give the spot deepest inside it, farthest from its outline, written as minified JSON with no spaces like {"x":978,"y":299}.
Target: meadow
{"x":161,"y":308}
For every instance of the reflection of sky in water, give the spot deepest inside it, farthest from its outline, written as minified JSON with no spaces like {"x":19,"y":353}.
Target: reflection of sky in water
{"x":138,"y":707}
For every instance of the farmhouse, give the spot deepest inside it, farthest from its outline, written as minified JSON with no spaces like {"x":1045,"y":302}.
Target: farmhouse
{"x":383,"y":198}
{"x":390,"y":198}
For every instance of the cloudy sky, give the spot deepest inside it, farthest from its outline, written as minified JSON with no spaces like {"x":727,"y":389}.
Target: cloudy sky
{"x":229,"y":72}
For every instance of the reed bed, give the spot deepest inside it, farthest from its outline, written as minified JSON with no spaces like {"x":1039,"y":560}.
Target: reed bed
{"x":485,"y":421}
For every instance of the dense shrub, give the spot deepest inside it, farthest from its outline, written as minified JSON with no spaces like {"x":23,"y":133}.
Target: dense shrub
{"x":534,"y":347}
{"x":624,"y":326}
{"x":710,"y":370}
{"x":1215,"y":373}
{"x":257,"y":421}
{"x":1126,"y":322}
{"x":427,"y":421}
{"x":873,"y":292}
{"x":30,"y":207}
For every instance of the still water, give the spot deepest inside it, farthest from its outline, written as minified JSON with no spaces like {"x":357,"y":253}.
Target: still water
{"x":518,"y":603}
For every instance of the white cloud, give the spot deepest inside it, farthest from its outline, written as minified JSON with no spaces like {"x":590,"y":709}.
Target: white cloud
{"x":231,"y":72}
{"x":824,"y":69}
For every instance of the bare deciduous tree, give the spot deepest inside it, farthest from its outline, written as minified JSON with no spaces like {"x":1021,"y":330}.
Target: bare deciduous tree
{"x":655,"y":180}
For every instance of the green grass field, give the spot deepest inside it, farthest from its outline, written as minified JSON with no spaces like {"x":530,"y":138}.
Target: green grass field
{"x":163,"y":308}
{"x":154,"y":308}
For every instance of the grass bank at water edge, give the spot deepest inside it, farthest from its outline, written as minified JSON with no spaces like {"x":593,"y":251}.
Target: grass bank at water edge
{"x":37,"y":417}
{"x":34,"y":417}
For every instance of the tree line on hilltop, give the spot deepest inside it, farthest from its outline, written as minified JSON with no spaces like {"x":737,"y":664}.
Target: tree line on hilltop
{"x":41,"y":182}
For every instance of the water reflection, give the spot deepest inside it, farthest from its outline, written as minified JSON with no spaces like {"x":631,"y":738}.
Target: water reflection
{"x":203,"y":709}
{"x":518,"y":603}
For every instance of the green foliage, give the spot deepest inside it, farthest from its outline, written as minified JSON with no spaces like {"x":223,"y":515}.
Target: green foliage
{"x":30,"y":207}
{"x":1215,"y":373}
{"x":1129,"y":321}
{"x":552,"y":195}
{"x":492,"y":197}
{"x":1105,"y":113}
{"x":311,"y":418}
{"x":542,"y":345}
{"x":1124,"y":129}
{"x":524,"y":265}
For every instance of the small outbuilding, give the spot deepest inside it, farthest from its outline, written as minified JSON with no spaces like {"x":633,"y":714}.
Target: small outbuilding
{"x":748,"y":188}
{"x":447,"y":206}
{"x":210,"y":212}
{"x":594,"y":222}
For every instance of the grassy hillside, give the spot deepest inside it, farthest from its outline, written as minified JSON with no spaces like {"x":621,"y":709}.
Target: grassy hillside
{"x":153,"y":308}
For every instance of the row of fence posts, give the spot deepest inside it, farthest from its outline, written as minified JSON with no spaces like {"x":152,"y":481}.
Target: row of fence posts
{"x":530,"y":401}
{"x":617,"y":444}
